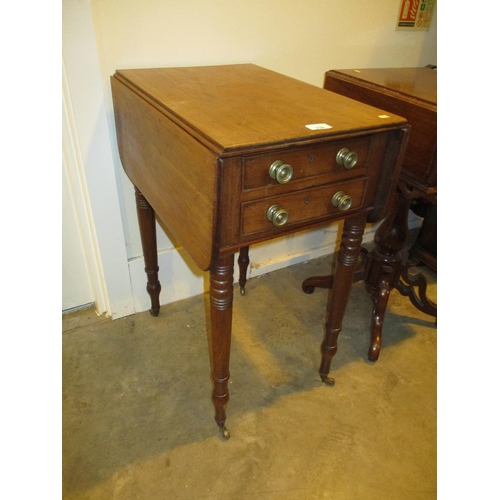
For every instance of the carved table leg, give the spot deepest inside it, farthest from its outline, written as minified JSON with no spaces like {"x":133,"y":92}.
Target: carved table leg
{"x":387,"y":271}
{"x":243,"y":261}
{"x":221,"y":311}
{"x":380,"y":300}
{"x":147,"y":226}
{"x":424,"y":250}
{"x":309,"y":284}
{"x":382,"y":270}
{"x":386,"y":263}
{"x":420,"y":300}
{"x":350,"y":247}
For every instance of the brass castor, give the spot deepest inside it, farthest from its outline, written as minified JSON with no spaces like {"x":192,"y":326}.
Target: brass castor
{"x":327,"y":380}
{"x":224,"y":432}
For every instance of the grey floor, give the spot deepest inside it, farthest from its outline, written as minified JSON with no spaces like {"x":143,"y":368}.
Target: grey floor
{"x":138,"y":420}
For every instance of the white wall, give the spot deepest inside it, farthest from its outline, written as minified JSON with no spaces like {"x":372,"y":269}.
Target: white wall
{"x":299,"y":39}
{"x":88,"y":149}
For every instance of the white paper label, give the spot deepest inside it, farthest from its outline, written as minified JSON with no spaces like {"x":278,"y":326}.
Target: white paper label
{"x":318,"y":126}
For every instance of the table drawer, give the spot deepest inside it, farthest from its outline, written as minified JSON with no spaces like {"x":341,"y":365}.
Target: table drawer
{"x":269,"y":214}
{"x":306,"y":162}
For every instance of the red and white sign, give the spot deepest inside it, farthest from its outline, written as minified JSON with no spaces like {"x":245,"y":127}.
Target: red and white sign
{"x":415,"y":14}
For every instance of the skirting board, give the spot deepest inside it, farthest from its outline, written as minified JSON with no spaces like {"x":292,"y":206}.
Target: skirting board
{"x":181,"y":279}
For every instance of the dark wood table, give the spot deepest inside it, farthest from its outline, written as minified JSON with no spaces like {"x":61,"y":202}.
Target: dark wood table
{"x":412,"y":93}
{"x":227,"y":156}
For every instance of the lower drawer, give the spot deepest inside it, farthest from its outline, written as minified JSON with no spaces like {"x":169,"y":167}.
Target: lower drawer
{"x":272,"y":214}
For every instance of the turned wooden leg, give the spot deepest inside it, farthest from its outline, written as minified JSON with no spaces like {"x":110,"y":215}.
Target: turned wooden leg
{"x":221,"y":311}
{"x":350,"y":247}
{"x":243,"y":261}
{"x":147,"y":226}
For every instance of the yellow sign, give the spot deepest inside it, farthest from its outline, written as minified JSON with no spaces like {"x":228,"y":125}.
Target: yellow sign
{"x":415,"y":14}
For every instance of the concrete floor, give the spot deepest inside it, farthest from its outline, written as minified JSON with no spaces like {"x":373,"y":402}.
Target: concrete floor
{"x":138,"y":420}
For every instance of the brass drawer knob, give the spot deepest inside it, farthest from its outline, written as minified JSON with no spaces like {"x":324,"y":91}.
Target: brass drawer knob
{"x":277,"y":215}
{"x":347,"y":158}
{"x":342,"y":201}
{"x":281,"y":171}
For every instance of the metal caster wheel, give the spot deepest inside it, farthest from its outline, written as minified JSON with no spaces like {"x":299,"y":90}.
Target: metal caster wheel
{"x":224,"y":432}
{"x":328,"y":380}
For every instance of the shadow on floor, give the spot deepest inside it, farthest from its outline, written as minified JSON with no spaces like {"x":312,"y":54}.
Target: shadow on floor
{"x":138,"y":387}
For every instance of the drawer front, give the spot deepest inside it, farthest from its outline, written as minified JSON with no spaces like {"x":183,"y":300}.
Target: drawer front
{"x":307,"y":162}
{"x":308,"y":205}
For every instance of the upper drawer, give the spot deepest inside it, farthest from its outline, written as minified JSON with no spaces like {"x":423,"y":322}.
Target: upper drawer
{"x":346,"y":158}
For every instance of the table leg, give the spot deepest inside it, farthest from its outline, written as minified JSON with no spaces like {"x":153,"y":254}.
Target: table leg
{"x":385,"y":264}
{"x":386,"y":269}
{"x":380,"y":300}
{"x":326,"y":281}
{"x":425,"y":248}
{"x":383,"y":269}
{"x":350,"y":248}
{"x":221,"y":312}
{"x":243,"y":261}
{"x":415,"y":287}
{"x":147,"y":226}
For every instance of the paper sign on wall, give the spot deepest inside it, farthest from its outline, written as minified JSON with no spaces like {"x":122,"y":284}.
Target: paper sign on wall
{"x":415,"y":14}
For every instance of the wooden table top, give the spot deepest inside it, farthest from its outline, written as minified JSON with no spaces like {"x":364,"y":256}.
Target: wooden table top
{"x":231,"y":108}
{"x":420,"y":83}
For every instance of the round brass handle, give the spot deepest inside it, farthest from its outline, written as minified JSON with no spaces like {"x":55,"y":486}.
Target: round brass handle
{"x":277,"y":215}
{"x":281,"y":171}
{"x":347,"y":158}
{"x":342,"y":201}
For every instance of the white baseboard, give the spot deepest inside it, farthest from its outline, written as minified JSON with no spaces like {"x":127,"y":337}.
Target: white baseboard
{"x":181,"y":279}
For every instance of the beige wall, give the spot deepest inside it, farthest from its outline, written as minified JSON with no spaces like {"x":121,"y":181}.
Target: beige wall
{"x":297,"y":38}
